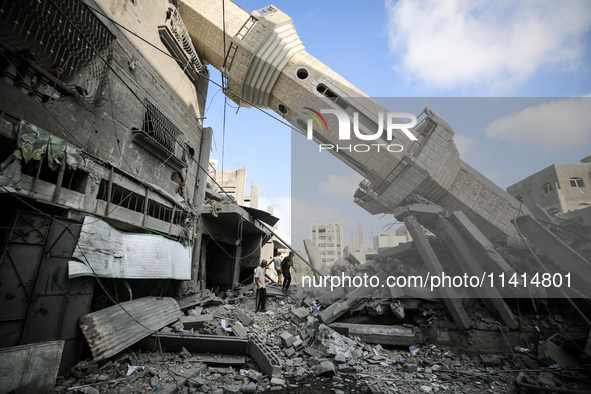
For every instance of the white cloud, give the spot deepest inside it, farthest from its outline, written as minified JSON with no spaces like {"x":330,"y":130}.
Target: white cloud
{"x":281,"y":209}
{"x":464,"y":144}
{"x":340,"y":186}
{"x":556,"y":124}
{"x":497,"y":44}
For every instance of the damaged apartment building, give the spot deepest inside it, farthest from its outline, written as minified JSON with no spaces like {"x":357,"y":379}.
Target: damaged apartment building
{"x":104,"y":159}
{"x":103,"y":171}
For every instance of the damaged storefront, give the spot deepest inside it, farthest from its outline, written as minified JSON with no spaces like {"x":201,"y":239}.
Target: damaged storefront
{"x":103,"y":181}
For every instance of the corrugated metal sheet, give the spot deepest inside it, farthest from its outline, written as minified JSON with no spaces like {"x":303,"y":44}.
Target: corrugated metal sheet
{"x":113,"y":329}
{"x":106,"y":252}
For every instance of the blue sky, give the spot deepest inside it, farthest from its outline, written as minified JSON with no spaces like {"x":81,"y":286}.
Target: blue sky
{"x":427,"y":49}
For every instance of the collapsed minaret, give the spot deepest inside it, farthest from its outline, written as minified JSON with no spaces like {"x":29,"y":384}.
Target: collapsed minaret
{"x":266,"y":65}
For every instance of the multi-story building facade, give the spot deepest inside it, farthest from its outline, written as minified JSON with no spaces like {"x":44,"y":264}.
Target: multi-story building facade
{"x":559,"y":188}
{"x":329,"y":237}
{"x":103,"y":168}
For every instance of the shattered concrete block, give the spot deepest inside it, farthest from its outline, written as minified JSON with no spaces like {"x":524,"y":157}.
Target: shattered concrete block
{"x":244,"y":318}
{"x":299,"y":315}
{"x":277,"y":382}
{"x":345,"y":368}
{"x":287,"y":339}
{"x":340,"y":358}
{"x":239,"y":330}
{"x":325,"y":368}
{"x":177,"y":325}
{"x":298,"y":345}
{"x":310,"y":351}
{"x":263,"y":356}
{"x":397,"y":309}
{"x":185,"y":353}
{"x":332,"y":343}
{"x":255,"y":375}
{"x":308,"y":302}
{"x":289,"y":352}
{"x":195,"y":322}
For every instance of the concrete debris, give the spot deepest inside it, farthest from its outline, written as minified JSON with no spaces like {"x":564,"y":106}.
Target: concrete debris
{"x":397,"y":309}
{"x":299,"y":315}
{"x":194,"y":322}
{"x":325,"y":368}
{"x":331,"y":343}
{"x":386,"y":335}
{"x":376,"y":342}
{"x":551,"y":352}
{"x":255,"y":375}
{"x":239,"y":330}
{"x":278,"y":382}
{"x":287,"y":339}
{"x":244,"y":317}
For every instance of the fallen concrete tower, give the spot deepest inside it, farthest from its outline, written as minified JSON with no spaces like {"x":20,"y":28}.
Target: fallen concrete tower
{"x":265,"y":64}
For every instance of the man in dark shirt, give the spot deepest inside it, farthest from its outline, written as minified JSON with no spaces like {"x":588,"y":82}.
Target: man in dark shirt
{"x":285,"y":270}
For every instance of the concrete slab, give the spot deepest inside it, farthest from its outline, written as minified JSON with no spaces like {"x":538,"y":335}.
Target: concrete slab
{"x":194,"y":343}
{"x":382,"y":334}
{"x":398,"y":252}
{"x":494,"y":261}
{"x":299,"y":315}
{"x":432,"y":263}
{"x":470,"y":260}
{"x":315,"y":257}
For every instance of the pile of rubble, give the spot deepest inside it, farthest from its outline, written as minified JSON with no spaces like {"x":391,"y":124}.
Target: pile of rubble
{"x":289,"y":349}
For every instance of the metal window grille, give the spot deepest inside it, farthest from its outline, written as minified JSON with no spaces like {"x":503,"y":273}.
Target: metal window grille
{"x":160,"y":128}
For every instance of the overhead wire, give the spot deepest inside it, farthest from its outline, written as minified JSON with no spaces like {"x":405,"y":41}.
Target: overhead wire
{"x":107,"y":63}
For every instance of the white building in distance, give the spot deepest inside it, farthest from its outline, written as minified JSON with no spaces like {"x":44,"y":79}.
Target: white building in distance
{"x":329,"y":237}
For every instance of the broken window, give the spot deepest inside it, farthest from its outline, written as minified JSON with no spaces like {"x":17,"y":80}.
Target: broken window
{"x":267,"y":10}
{"x":126,"y":198}
{"x":160,"y":132}
{"x":577,"y":182}
{"x":176,"y":38}
{"x":547,"y":187}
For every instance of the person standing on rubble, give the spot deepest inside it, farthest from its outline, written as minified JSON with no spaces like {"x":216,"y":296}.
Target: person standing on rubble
{"x":285,"y":270}
{"x":259,"y":280}
{"x":277,"y":265}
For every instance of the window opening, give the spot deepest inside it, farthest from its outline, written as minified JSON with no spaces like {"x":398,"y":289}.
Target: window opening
{"x":577,"y":182}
